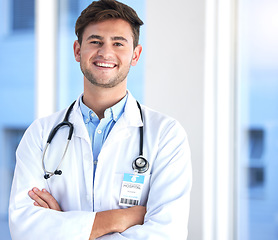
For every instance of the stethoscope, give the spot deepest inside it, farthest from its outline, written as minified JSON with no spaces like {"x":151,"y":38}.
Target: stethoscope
{"x":139,"y":165}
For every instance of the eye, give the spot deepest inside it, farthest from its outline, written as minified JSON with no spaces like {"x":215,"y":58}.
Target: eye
{"x":96,"y":42}
{"x":117,"y":44}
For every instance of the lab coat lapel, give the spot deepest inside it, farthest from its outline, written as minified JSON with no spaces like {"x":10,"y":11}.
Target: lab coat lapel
{"x":84,"y":152}
{"x":76,"y":118}
{"x":131,"y":118}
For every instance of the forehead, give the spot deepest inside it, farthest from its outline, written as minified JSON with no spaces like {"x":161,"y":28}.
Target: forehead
{"x":109,"y":28}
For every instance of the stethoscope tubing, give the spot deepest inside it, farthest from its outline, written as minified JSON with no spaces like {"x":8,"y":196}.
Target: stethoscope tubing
{"x":49,"y":174}
{"x":141,"y":131}
{"x":65,"y":122}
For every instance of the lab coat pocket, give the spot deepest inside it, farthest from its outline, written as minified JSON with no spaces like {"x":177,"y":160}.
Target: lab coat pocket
{"x":117,"y":186}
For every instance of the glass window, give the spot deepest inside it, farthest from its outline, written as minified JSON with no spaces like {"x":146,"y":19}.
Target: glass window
{"x":16,"y":92}
{"x":23,"y":14}
{"x":258,"y":120}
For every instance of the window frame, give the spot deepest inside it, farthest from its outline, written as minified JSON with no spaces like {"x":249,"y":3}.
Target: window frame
{"x":220,"y":205}
{"x":46,"y":58}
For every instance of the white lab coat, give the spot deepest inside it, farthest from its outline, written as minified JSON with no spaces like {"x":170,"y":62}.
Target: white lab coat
{"x":166,"y":191}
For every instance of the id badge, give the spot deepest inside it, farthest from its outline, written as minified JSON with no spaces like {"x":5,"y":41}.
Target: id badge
{"x":131,"y":190}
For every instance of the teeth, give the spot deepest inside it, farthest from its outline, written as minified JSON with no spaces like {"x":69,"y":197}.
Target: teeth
{"x":107,"y":65}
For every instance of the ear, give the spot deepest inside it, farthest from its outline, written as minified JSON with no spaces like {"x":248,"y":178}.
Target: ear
{"x":136,"y":55}
{"x":76,"y":50}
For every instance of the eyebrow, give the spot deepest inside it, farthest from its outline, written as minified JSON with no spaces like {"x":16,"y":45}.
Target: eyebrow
{"x":116,"y":38}
{"x":119,"y":39}
{"x":94,"y":37}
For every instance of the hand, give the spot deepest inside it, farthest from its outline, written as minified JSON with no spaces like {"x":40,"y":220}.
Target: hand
{"x":117,"y":220}
{"x":44,"y":199}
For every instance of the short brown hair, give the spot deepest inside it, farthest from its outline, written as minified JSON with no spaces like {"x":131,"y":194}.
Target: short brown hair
{"x":102,"y":10}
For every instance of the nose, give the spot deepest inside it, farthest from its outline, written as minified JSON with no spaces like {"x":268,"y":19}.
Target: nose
{"x":105,"y":51}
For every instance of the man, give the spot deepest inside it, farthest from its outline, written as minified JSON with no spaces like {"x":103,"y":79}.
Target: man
{"x":92,"y":197}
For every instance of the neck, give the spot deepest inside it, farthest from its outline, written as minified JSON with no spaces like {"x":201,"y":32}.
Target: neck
{"x":99,"y":99}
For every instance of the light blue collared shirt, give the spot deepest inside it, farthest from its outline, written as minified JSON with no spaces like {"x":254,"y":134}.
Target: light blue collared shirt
{"x":99,"y":129}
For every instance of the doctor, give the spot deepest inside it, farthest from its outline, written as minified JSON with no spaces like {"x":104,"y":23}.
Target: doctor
{"x":85,"y":201}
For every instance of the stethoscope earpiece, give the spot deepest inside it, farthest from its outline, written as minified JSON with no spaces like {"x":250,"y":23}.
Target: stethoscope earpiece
{"x":46,"y":176}
{"x":58,"y":172}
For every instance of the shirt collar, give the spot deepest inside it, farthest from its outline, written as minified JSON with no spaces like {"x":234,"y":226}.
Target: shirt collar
{"x":113,"y":112}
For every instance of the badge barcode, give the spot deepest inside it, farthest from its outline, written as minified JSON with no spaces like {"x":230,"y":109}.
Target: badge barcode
{"x":129,"y":201}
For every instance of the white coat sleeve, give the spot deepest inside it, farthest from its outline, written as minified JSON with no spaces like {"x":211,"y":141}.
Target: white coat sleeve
{"x":169,"y":196}
{"x":29,"y":222}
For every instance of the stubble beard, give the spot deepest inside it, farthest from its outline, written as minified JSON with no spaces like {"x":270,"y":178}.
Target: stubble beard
{"x":114,"y":81}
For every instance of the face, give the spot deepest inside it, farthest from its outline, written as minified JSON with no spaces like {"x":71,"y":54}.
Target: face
{"x":107,"y":52}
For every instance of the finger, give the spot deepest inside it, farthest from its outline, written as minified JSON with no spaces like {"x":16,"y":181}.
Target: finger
{"x":32,"y":194}
{"x":49,"y":199}
{"x":52,"y":202}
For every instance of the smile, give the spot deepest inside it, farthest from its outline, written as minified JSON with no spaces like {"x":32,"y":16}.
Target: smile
{"x":105,"y":65}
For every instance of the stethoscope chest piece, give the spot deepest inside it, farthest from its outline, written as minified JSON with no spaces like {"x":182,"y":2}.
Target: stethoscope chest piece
{"x":140,"y":164}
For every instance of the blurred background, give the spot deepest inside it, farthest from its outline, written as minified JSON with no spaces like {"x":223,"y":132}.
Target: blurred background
{"x":213,"y":65}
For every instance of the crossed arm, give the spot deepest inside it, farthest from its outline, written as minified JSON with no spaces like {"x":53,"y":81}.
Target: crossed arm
{"x":117,"y":220}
